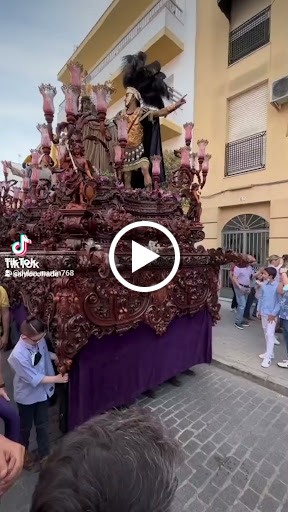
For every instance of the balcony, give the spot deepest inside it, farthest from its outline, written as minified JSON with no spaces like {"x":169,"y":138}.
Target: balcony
{"x":158,"y":33}
{"x":245,"y":155}
{"x":250,"y":36}
{"x":116,"y":21}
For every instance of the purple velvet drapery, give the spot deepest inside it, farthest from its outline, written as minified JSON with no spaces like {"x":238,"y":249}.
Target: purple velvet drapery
{"x":114,"y":370}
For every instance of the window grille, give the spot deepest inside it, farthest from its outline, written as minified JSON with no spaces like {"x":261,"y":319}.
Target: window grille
{"x":248,"y":154}
{"x":250,"y":36}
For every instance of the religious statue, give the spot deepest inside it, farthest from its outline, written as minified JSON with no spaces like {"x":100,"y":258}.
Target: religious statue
{"x":195,"y":207}
{"x":145,"y":88}
{"x":97,"y":145}
{"x":78,"y":171}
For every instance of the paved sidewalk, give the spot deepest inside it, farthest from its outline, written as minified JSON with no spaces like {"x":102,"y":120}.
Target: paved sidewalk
{"x":234,"y":435}
{"x":239,"y":350}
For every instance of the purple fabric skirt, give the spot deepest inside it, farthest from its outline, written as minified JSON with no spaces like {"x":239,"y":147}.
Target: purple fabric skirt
{"x":11,"y":420}
{"x":113,"y":371}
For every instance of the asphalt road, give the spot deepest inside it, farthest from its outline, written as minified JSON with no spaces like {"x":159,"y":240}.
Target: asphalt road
{"x":234,"y":435}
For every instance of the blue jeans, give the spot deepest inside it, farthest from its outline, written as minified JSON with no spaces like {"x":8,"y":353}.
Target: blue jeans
{"x":241,"y":301}
{"x":285,"y":333}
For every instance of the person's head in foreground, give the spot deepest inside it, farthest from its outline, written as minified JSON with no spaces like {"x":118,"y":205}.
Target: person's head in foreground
{"x":122,"y":461}
{"x":269,"y":274}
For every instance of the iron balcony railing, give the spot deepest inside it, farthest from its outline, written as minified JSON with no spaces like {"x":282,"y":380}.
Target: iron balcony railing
{"x":244,"y":155}
{"x":141,"y":25}
{"x":250,"y":36}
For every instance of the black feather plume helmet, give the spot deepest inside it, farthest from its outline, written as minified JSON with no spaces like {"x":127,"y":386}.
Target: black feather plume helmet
{"x":146,"y":78}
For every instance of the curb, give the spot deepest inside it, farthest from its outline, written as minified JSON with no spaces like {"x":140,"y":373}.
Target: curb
{"x":261,"y":381}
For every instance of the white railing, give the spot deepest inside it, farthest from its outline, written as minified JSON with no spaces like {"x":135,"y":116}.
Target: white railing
{"x":162,"y":4}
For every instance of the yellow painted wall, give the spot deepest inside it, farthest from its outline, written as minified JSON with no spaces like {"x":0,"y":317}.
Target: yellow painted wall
{"x":259,"y":192}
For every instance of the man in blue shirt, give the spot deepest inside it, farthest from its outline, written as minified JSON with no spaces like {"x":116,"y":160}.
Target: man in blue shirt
{"x":268,"y":311}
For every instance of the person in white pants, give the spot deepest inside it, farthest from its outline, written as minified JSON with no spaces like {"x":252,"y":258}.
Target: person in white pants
{"x":268,"y":311}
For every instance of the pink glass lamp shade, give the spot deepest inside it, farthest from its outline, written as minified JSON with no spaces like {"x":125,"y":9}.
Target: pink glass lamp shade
{"x":122,"y":125}
{"x":117,"y":154}
{"x":193,"y":160}
{"x":101,"y":96}
{"x":75,"y":69}
{"x":185,"y":157}
{"x":202,"y":148}
{"x":45,"y":139}
{"x":26,"y":185}
{"x":48,"y":92}
{"x":156,"y":162}
{"x":72,"y":94}
{"x":35,"y":175}
{"x":35,"y":156}
{"x":188,"y":127}
{"x":205,"y":165}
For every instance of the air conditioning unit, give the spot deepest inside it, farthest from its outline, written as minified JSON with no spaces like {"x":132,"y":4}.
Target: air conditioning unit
{"x":280,"y":91}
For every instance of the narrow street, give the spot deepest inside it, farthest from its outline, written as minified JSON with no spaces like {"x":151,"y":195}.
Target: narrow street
{"x":234,"y":435}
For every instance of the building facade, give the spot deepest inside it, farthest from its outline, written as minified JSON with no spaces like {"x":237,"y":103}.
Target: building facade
{"x":166,"y":31}
{"x":241,"y":66}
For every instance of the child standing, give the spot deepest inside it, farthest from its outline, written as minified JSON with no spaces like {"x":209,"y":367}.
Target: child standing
{"x":34,"y":384}
{"x":268,"y":311}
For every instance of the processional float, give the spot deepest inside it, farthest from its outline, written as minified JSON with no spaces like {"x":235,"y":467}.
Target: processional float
{"x":73,"y":206}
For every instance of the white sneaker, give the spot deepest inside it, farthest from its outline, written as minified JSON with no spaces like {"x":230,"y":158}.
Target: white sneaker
{"x":284,"y":364}
{"x":266,"y":363}
{"x":276,"y":342}
{"x":262,"y":356}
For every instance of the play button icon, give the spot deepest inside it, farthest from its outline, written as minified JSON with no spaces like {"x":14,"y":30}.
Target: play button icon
{"x":142,"y":256}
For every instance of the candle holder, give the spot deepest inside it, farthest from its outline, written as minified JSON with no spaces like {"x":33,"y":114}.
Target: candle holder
{"x":101,"y":96}
{"x":75,"y":69}
{"x":48,"y":93}
{"x":118,"y":162}
{"x":156,"y":170}
{"x":202,"y":149}
{"x":188,"y":127}
{"x":185,"y":158}
{"x":72,"y":93}
{"x":205,"y":169}
{"x":35,"y":157}
{"x":45,"y":138}
{"x":122,"y":126}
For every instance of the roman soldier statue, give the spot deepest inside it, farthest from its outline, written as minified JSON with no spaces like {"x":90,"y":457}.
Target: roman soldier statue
{"x":144,"y":105}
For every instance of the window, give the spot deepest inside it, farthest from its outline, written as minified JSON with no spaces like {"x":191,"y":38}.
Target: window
{"x":247,"y":122}
{"x":250,"y":36}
